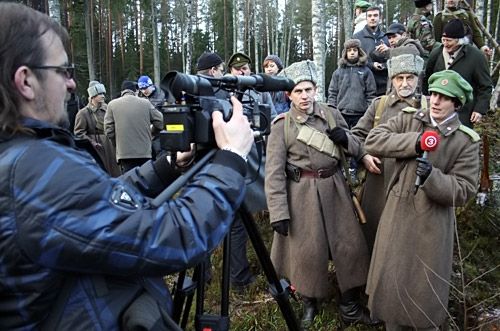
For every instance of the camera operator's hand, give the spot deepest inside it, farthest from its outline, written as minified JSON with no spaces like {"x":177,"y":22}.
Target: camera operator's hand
{"x":281,"y":227}
{"x":236,"y":134}
{"x":184,"y":159}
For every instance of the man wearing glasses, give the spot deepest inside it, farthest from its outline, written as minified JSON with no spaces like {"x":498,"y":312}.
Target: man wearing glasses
{"x":79,"y":249}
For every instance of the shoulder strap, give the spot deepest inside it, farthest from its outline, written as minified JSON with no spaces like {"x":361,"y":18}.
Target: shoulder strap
{"x":379,"y":110}
{"x":423,"y":102}
{"x":470,"y":132}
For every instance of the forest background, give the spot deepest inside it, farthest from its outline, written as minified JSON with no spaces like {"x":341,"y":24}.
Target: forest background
{"x":113,"y":40}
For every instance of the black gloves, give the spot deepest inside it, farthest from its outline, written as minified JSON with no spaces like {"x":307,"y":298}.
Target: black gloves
{"x":281,"y":227}
{"x":338,"y":136}
{"x":424,"y":168}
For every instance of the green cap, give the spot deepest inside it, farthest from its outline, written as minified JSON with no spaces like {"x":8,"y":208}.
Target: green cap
{"x":362,"y":4}
{"x":450,"y":83}
{"x":238,"y":60}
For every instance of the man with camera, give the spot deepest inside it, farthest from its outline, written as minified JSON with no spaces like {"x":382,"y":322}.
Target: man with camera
{"x":80,"y":250}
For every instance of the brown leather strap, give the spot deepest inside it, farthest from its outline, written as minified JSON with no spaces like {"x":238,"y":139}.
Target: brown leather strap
{"x":320,"y":173}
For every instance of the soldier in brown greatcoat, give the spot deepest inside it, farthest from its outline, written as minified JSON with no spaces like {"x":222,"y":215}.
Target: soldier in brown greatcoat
{"x":309,"y":201}
{"x":404,"y":69}
{"x":410,"y":270}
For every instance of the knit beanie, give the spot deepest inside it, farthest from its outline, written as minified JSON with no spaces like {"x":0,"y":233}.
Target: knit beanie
{"x":207,"y":61}
{"x":95,"y":88}
{"x":422,"y":3}
{"x":144,"y":82}
{"x":301,"y":71}
{"x":454,"y":29}
{"x":275,"y":59}
{"x":405,"y":63}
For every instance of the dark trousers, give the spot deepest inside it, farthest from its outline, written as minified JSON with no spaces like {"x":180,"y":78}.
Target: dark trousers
{"x":128,"y":164}
{"x":351,"y":121}
{"x":240,"y":268}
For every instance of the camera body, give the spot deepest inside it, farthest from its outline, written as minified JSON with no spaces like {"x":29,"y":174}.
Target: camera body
{"x":190,"y":121}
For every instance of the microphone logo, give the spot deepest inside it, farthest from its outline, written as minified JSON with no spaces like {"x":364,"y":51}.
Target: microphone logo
{"x":430,"y":142}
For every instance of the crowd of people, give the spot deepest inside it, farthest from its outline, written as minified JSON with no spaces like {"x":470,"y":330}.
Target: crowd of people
{"x":84,"y":247}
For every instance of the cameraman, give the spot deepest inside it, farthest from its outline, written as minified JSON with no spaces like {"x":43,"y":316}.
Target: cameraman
{"x":78,"y":249}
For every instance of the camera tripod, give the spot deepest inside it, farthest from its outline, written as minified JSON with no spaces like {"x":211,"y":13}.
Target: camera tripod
{"x":186,"y":287}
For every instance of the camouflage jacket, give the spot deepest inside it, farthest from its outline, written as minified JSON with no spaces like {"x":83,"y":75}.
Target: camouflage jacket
{"x":420,"y":28}
{"x":467,"y":17}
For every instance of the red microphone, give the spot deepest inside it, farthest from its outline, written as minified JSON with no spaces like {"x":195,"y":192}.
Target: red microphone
{"x":428,"y":143}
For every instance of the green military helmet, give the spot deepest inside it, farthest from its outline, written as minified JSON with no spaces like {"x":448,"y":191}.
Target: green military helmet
{"x":450,"y":83}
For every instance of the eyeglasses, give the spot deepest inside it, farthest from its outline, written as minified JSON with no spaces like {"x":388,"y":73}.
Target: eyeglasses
{"x":67,"y":71}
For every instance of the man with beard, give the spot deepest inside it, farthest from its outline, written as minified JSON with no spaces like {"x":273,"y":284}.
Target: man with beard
{"x":80,"y":250}
{"x":404,"y":67}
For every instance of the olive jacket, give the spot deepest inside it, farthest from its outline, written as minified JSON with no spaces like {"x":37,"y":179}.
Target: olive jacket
{"x":411,"y":265}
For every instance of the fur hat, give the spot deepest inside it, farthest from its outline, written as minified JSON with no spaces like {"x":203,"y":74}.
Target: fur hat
{"x":95,"y":88}
{"x":301,"y":71}
{"x":352,"y":43}
{"x":450,"y":83}
{"x":275,"y":59}
{"x":405,"y":63}
{"x":129,"y":85}
{"x":207,"y":61}
{"x":454,"y":29}
{"x":422,"y":3}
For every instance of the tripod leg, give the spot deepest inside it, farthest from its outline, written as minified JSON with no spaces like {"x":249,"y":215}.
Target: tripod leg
{"x":280,"y":294}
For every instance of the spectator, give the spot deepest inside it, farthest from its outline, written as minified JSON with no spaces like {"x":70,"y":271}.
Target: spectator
{"x":405,"y":68}
{"x":456,"y":54}
{"x":360,"y":8}
{"x":372,"y":38}
{"x":453,"y":11}
{"x":89,"y":124}
{"x":81,"y":250}
{"x":410,"y":271}
{"x":310,"y":205}
{"x":128,"y":124}
{"x":420,"y":25}
{"x":398,"y":37}
{"x":272,"y":66}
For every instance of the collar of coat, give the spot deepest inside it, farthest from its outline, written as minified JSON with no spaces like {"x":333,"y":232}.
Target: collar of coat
{"x":412,"y":101}
{"x":318,"y":111}
{"x":445,"y":129}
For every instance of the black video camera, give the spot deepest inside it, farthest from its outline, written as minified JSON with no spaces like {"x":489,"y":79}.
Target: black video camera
{"x":190,"y":120}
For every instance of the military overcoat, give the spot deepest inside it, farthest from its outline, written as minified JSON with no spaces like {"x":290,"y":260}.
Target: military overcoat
{"x":375,"y":187}
{"x":320,"y":210}
{"x":410,"y":270}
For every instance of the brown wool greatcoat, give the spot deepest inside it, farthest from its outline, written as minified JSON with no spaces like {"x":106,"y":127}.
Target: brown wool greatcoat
{"x":374,"y":191}
{"x":87,"y":126}
{"x":410,"y":270}
{"x":320,"y":210}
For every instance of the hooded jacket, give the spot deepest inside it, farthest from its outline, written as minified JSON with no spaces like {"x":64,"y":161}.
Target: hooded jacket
{"x":352,"y":87}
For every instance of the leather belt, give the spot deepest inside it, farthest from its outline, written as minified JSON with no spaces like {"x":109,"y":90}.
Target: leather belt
{"x":320,"y":173}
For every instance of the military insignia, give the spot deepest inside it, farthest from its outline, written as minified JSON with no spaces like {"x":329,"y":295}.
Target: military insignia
{"x":444,"y":82}
{"x":238,"y":59}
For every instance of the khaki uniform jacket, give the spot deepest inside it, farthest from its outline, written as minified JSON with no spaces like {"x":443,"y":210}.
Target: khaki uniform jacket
{"x":443,"y":17}
{"x":420,"y":28}
{"x":411,"y":265}
{"x":375,"y":186}
{"x":89,"y":124}
{"x":320,"y":210}
{"x":128,"y":122}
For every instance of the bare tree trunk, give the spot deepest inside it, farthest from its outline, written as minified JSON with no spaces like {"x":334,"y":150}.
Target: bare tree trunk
{"x":290,"y":30}
{"x":240,"y":26}
{"x":55,"y":10}
{"x":189,"y":36}
{"x":89,"y":28}
{"x":480,"y":10}
{"x":156,"y":48}
{"x":318,"y":36}
{"x":139,"y":37}
{"x":347,"y":18}
{"x":109,"y":50}
{"x":256,"y":36}
{"x":226,"y":55}
{"x":122,"y":43}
